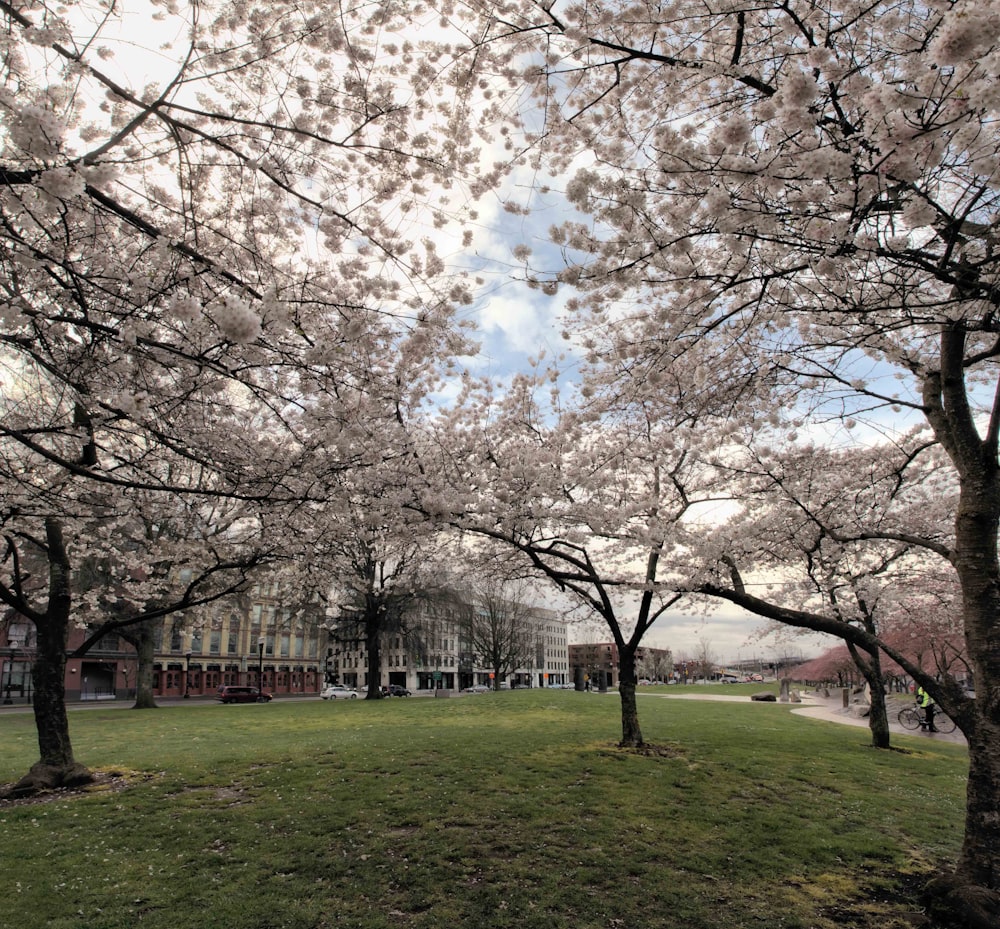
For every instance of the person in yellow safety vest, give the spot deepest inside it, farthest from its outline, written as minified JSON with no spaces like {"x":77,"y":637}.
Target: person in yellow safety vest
{"x":926,"y":702}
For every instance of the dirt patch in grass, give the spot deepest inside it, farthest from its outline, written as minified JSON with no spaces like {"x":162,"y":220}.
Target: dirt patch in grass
{"x":889,"y":904}
{"x":112,"y":780}
{"x":647,"y":750}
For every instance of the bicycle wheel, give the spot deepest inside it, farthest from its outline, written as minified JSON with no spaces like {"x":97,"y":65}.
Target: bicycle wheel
{"x":943,"y":723}
{"x":910,"y":718}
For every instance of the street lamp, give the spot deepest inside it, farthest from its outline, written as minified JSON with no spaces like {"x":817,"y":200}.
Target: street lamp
{"x":187,"y":674}
{"x":12,"y":643}
{"x":260,"y":665}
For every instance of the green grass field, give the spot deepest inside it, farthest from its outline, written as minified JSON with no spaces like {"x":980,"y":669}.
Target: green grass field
{"x":481,"y":812}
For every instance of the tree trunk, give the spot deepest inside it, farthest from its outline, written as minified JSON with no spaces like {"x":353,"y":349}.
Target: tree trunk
{"x":143,"y":640}
{"x":56,"y":766}
{"x":979,"y":863}
{"x":870,"y":667}
{"x":878,"y":718}
{"x":973,"y":891}
{"x":373,"y":642}
{"x":631,"y":733}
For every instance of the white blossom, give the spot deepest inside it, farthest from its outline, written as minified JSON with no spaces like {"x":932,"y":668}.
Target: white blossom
{"x":235,"y":318}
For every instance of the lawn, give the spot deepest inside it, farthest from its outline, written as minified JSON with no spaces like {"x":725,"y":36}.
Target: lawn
{"x":501,"y":810}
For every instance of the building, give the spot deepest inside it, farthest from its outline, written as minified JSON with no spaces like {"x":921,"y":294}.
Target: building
{"x":255,"y":640}
{"x":593,"y":662}
{"x":434,"y":652}
{"x":251,"y":640}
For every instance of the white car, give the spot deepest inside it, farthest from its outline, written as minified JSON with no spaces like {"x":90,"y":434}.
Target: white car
{"x":338,"y":692}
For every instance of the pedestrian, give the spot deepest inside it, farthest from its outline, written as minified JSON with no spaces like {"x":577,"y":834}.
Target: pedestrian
{"x":926,"y":702}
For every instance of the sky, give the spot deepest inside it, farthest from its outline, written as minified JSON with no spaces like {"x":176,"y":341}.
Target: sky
{"x":729,"y":634}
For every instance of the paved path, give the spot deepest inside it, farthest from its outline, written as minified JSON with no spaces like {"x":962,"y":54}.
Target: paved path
{"x":815,"y":706}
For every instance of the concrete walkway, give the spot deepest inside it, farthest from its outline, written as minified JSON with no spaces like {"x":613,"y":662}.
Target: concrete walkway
{"x":828,"y":709}
{"x":832,"y":710}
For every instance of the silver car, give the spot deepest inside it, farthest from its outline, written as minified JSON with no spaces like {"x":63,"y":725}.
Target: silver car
{"x":338,"y":692}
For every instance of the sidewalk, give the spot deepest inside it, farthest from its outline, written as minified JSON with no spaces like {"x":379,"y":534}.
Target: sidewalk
{"x":832,"y":709}
{"x":828,"y":709}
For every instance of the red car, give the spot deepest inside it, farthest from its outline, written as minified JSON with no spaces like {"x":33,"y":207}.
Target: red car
{"x":230,"y":694}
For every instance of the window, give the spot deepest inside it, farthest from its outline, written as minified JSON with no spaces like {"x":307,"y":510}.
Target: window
{"x":21,"y":633}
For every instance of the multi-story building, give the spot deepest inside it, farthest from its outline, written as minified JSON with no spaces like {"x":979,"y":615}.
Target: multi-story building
{"x":253,"y":640}
{"x":592,"y":661}
{"x":258,"y":641}
{"x":435,"y":653}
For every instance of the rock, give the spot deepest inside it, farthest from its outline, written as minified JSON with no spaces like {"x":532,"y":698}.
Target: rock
{"x":764,"y":697}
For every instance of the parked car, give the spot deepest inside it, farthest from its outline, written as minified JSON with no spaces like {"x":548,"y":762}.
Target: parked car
{"x":476,"y":689}
{"x":338,"y":692}
{"x":395,"y":690}
{"x":228,"y":693}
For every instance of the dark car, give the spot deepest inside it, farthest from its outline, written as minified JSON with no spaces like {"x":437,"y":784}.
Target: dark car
{"x":231,"y":694}
{"x":396,"y":690}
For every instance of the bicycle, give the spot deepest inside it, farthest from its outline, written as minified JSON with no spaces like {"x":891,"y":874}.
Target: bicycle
{"x":912,"y":717}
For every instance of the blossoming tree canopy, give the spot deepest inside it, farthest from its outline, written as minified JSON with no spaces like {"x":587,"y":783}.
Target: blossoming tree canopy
{"x":817,"y":182}
{"x":215,"y":253}
{"x":225,"y":217}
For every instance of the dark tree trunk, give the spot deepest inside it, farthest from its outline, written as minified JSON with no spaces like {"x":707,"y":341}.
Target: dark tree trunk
{"x":973,"y":890}
{"x":631,"y":733}
{"x":878,"y":717}
{"x":56,"y":766}
{"x":870,"y":665}
{"x":373,"y":642}
{"x":143,"y":638}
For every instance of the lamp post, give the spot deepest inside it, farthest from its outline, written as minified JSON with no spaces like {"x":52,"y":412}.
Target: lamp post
{"x":187,"y":674}
{"x":260,"y":664}
{"x":12,"y":643}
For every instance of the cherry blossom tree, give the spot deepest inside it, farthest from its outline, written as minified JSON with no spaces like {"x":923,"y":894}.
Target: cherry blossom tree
{"x":816,"y":182}
{"x":205,"y":250}
{"x":589,"y":498}
{"x":835,"y":532}
{"x":170,"y":555}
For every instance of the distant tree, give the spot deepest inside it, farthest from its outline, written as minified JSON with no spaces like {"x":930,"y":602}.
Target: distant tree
{"x":656,"y":664}
{"x":705,"y":658}
{"x":500,"y":629}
